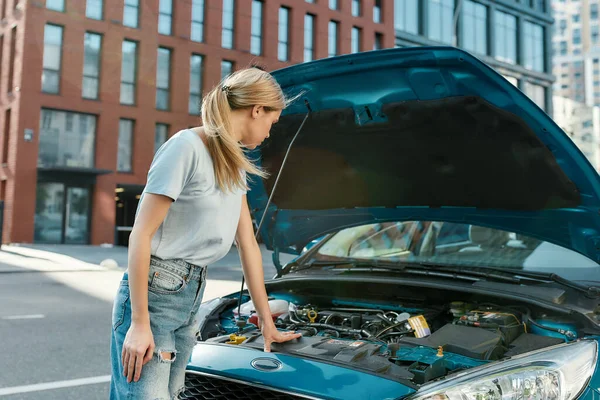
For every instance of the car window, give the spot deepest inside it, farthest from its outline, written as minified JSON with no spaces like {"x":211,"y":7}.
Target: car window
{"x":454,"y":244}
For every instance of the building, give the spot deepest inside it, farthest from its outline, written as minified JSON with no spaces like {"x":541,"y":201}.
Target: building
{"x":582,"y":124}
{"x":512,"y":36}
{"x":89,"y":89}
{"x":576,"y":44}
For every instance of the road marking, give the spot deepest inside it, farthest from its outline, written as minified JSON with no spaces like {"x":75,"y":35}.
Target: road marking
{"x":54,"y":385}
{"x":31,"y":316}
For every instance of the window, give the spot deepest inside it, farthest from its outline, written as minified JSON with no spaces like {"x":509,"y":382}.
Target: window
{"x":406,"y":16}
{"x":6,"y":136}
{"x":93,"y":9}
{"x":52,"y":58}
{"x":163,"y":78}
{"x":1,"y":65}
{"x":441,"y":14}
{"x":62,"y":147}
{"x":474,"y":27}
{"x":577,"y":36}
{"x":160,"y":135}
{"x":537,"y":93}
{"x":575,"y":18}
{"x":256,"y":35}
{"x":533,"y":38}
{"x":356,"y":8}
{"x":309,"y":37}
{"x":562,"y":25}
{"x":165,"y":17}
{"x":594,"y":11}
{"x":226,"y":68}
{"x":91,"y":65}
{"x":56,"y":5}
{"x":227,"y":32}
{"x":541,"y":5}
{"x":131,"y":13}
{"x":595,"y":33}
{"x":128,"y":72}
{"x":333,"y":4}
{"x":355,"y":39}
{"x":284,"y":30}
{"x":195,"y":84}
{"x":197,"y":34}
{"x":11,"y":60}
{"x":333,"y":34}
{"x":562,"y":48}
{"x":125,"y":153}
{"x":506,"y":37}
{"x":377,"y":12}
{"x":378,"y":44}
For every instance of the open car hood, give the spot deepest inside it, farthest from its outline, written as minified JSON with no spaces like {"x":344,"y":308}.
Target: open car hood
{"x":426,"y":133}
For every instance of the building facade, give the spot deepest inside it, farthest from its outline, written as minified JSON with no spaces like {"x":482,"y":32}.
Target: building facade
{"x":89,"y":89}
{"x":512,"y":36}
{"x":577,"y":50}
{"x":582,"y":123}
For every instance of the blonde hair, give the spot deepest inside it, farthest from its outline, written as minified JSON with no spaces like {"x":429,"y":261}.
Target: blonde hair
{"x":244,"y":88}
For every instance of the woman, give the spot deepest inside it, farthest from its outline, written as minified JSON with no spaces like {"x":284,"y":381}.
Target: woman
{"x":192,"y":209}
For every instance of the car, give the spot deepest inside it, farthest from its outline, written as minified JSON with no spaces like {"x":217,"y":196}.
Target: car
{"x":458,"y":251}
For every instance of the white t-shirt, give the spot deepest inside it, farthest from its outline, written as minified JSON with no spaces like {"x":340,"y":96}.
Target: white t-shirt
{"x":201,"y":223}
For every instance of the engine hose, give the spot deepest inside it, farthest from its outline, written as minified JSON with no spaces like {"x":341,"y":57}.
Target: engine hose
{"x":566,"y":333}
{"x":393,"y":334}
{"x":390,"y":328}
{"x":331,"y":316}
{"x":384,"y":319}
{"x":295,"y":318}
{"x":362,"y":332}
{"x":527,"y":317}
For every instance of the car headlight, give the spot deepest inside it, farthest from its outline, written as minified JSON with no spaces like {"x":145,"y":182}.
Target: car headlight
{"x":556,"y":373}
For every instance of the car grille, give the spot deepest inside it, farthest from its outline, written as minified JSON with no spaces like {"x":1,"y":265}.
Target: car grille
{"x":203,"y":387}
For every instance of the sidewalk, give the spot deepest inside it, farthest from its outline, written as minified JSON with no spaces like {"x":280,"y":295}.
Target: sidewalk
{"x":87,"y":257}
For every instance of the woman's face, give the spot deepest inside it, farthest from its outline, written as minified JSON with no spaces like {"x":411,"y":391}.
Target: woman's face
{"x":258,"y":126}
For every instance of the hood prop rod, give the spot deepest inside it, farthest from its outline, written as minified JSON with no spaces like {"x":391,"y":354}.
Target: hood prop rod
{"x":240,"y":322}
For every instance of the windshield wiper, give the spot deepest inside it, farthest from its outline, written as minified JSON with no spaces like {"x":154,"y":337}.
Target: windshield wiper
{"x":590,"y":291}
{"x":411,"y":268}
{"x":430,"y":269}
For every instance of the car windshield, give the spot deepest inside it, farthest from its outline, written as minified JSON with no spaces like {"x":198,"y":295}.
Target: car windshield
{"x":453,"y":244}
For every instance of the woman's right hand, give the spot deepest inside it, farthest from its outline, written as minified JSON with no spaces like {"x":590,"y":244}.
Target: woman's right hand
{"x":138,"y":349}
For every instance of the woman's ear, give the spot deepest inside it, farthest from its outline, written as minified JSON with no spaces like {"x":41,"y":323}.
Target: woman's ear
{"x":256,"y":111}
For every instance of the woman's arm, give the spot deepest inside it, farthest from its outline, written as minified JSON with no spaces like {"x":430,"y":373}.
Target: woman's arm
{"x":253,"y":272}
{"x":138,"y":347}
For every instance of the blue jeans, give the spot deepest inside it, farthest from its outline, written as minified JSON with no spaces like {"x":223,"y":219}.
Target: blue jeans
{"x":175,"y":290}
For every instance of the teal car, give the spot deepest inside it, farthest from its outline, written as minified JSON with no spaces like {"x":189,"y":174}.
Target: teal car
{"x":458,"y":251}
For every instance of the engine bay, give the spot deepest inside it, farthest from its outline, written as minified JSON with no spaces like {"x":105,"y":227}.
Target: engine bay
{"x":404,"y":342}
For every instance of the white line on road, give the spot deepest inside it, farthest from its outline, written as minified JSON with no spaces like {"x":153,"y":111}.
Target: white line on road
{"x":54,"y":385}
{"x":31,"y":316}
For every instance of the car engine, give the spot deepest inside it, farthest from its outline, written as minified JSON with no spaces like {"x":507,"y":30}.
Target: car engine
{"x":408,"y":344}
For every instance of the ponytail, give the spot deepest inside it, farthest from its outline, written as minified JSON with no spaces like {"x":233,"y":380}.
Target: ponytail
{"x":243,"y":89}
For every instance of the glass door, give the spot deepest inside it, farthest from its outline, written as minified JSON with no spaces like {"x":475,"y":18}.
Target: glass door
{"x":49,"y":207}
{"x":62,"y":214}
{"x":77,"y":211}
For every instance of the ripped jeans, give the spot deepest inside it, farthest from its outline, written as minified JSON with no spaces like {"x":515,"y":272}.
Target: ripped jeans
{"x":175,"y":290}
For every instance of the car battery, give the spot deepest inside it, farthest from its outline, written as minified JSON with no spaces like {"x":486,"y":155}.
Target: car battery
{"x":507,"y":324}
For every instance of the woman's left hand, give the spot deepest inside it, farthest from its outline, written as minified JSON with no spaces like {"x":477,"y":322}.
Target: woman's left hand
{"x":272,"y":335}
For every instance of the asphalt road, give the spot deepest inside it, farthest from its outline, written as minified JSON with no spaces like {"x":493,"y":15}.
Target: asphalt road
{"x":55,"y":326}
